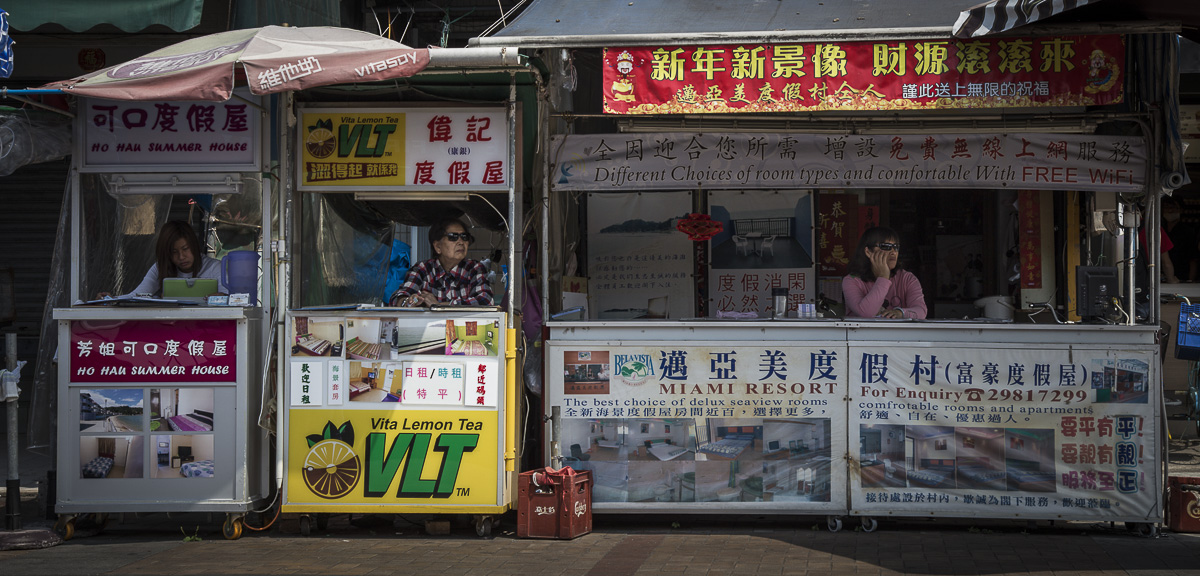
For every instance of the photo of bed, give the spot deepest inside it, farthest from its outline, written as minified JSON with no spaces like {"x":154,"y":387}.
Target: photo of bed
{"x":181,"y":410}
{"x":111,"y":457}
{"x":183,"y":456}
{"x":1029,"y":460}
{"x":979,"y":461}
{"x":627,"y":439}
{"x":465,"y":337}
{"x":111,"y":410}
{"x":932,"y":464}
{"x":365,"y":339}
{"x":881,"y":453}
{"x":317,"y":336}
{"x":731,"y":439}
{"x":367,"y":382}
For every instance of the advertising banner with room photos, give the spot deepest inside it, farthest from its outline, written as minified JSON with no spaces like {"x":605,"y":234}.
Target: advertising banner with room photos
{"x":379,"y":457}
{"x":982,"y":432}
{"x":703,"y":425}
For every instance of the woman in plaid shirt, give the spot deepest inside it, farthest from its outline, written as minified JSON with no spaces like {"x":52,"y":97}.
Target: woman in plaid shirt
{"x":448,"y":278}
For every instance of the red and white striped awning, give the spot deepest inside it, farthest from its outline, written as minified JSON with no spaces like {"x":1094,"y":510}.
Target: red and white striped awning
{"x":1000,"y":15}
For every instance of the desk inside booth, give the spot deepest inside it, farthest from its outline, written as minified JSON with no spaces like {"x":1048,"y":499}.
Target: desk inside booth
{"x":410,"y":408}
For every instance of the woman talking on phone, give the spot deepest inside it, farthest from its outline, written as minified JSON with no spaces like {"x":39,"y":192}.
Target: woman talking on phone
{"x":876,"y":287}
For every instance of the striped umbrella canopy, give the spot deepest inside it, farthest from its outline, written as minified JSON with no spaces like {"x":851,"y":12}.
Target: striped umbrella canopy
{"x":1000,"y":15}
{"x":273,"y":59}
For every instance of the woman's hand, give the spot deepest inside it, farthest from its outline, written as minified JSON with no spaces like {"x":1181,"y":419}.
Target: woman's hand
{"x":419,"y":299}
{"x":103,"y":295}
{"x":879,"y":264}
{"x":891,"y":313}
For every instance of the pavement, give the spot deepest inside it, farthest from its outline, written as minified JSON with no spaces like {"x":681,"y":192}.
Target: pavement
{"x":652,"y":545}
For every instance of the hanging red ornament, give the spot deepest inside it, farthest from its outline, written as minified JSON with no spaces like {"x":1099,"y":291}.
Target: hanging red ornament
{"x":699,"y":227}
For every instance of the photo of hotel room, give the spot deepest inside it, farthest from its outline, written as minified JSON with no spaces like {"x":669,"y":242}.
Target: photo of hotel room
{"x":932,"y":463}
{"x":367,"y":382}
{"x":1029,"y":460}
{"x":729,"y":439}
{"x":633,"y":439}
{"x":796,"y":465}
{"x":317,"y":336}
{"x":881,"y":449}
{"x":466,"y":337}
{"x":181,"y":410}
{"x":415,"y":337}
{"x":111,"y":457}
{"x":364,"y":340}
{"x":979,"y":462}
{"x":183,"y":456}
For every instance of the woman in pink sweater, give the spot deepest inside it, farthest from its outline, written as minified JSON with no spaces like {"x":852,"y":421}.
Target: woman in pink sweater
{"x":875,"y":287}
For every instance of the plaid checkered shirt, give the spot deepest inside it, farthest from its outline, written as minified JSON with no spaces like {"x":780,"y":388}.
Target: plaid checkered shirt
{"x":465,"y":284}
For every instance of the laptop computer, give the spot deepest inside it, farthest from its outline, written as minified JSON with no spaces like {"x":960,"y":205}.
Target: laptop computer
{"x":189,"y":289}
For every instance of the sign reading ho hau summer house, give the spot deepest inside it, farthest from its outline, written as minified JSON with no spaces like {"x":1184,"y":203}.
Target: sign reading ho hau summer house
{"x":154,"y":351}
{"x":887,"y":75}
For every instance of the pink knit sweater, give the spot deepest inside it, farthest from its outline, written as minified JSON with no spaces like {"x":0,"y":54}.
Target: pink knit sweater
{"x":902,"y":290}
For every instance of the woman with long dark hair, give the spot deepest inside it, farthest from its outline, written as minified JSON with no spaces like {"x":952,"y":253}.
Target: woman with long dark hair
{"x":177,"y":254}
{"x":876,"y":286}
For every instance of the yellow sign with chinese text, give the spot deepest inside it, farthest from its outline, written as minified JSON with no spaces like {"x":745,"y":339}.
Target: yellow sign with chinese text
{"x":354,"y":148}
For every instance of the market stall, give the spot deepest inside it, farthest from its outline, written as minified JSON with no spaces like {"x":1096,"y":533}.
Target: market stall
{"x":390,"y":406}
{"x":160,"y":393}
{"x":700,"y":355}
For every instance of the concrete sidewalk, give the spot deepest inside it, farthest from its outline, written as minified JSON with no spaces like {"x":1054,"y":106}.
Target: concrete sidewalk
{"x":619,"y":545}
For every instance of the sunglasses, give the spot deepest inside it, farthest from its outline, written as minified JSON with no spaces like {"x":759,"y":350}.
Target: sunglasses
{"x":456,"y":236}
{"x":888,"y":246}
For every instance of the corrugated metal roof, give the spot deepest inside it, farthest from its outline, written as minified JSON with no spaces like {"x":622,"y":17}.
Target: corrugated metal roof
{"x":570,"y":23}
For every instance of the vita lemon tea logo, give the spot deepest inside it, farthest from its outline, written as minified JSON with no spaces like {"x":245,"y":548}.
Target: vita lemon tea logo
{"x":422,"y":458}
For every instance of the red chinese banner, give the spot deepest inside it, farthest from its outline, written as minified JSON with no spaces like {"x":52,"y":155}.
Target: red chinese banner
{"x":1030,"y":237}
{"x":888,"y":75}
{"x":154,"y":351}
{"x":837,"y":236}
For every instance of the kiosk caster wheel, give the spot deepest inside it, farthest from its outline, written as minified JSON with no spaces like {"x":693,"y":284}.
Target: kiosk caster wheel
{"x":232,"y":529}
{"x":306,"y":523}
{"x":834,"y":523}
{"x":483,"y":526}
{"x":65,"y":527}
{"x":869,"y":524}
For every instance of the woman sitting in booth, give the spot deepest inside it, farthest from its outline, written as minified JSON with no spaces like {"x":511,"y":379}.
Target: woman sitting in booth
{"x":876,"y":287}
{"x":448,"y":278}
{"x":177,"y":255}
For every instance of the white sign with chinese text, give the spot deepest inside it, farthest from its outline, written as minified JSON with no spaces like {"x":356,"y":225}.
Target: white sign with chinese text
{"x":715,"y":160}
{"x":1014,"y":432}
{"x":307,"y":383}
{"x":432,"y":383}
{"x":483,"y":384}
{"x":162,"y":136}
{"x":337,"y":383}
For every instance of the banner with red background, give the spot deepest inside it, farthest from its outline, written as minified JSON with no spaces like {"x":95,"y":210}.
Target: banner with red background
{"x":153,"y":351}
{"x":865,"y":75}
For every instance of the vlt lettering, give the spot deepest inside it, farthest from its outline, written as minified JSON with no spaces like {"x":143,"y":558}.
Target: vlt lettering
{"x":356,"y":139}
{"x":407,"y":454}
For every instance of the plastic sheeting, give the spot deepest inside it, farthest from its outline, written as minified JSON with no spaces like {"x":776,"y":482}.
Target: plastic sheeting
{"x":346,"y":247}
{"x":27,"y":138}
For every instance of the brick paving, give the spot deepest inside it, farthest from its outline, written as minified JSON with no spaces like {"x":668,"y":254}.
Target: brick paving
{"x":619,"y":545}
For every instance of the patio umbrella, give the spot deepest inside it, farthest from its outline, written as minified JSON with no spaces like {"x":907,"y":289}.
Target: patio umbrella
{"x":275,"y":59}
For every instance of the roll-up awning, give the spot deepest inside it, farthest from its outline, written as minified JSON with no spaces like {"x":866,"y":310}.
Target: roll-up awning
{"x":1002,"y":15}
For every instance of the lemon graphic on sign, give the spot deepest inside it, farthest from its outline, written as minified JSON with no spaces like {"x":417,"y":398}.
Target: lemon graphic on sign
{"x":319,"y":141}
{"x":331,"y":469}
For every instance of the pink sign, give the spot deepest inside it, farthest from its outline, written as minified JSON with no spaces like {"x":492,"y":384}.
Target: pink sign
{"x":124,"y":351}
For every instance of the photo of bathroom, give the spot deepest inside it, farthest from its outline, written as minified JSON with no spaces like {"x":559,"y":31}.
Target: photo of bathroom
{"x":881,"y":450}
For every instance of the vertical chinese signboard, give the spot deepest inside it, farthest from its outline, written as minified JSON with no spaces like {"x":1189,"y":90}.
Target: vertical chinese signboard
{"x":393,"y":149}
{"x":884,"y":75}
{"x":171,"y":137}
{"x":388,"y":410}
{"x":748,"y":426}
{"x":837,"y":235}
{"x":1014,"y":432}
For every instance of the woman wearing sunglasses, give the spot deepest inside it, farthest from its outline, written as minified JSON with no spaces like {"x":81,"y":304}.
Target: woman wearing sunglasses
{"x":876,"y":287}
{"x":448,"y":278}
